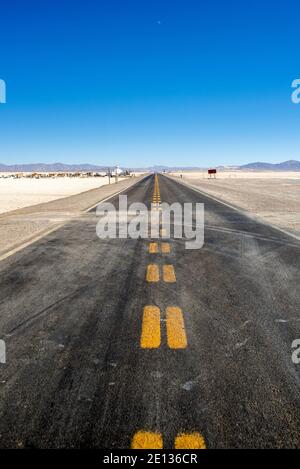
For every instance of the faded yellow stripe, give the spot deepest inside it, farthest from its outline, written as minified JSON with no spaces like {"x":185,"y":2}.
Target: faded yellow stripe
{"x":150,"y":337}
{"x":190,"y":441}
{"x":152,"y":273}
{"x":169,"y":274}
{"x":156,"y":192}
{"x":165,"y":248}
{"x":147,"y":440}
{"x":175,"y":328}
{"x":153,"y":248}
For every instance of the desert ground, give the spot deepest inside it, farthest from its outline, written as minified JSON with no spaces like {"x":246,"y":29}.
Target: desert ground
{"x":272,"y":196}
{"x":32,"y":207}
{"x":19,"y":193}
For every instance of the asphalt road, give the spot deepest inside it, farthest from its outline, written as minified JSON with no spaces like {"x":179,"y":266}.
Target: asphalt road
{"x":80,"y":372}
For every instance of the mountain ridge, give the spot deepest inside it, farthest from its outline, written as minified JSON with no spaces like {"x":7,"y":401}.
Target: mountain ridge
{"x":290,"y":165}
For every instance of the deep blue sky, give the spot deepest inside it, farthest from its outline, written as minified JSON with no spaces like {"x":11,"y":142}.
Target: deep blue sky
{"x":149,"y":82}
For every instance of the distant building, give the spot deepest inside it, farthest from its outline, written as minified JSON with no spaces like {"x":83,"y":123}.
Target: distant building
{"x":117,"y":172}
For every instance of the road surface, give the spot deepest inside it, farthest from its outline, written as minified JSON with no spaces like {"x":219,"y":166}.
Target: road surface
{"x":104,"y":351}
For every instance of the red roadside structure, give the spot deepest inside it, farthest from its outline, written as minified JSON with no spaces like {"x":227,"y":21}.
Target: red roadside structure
{"x":212,"y":172}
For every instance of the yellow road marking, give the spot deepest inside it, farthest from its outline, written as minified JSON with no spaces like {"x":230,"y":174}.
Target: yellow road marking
{"x":190,"y":441}
{"x":153,"y":248}
{"x":147,"y":440}
{"x":152,"y":273}
{"x":169,"y":274}
{"x":175,"y":328}
{"x":165,"y":248}
{"x":150,"y":337}
{"x":156,"y":193}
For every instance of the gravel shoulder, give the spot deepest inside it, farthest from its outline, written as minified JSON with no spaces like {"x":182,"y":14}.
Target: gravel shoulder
{"x":272,"y":199}
{"x":25,"y":224}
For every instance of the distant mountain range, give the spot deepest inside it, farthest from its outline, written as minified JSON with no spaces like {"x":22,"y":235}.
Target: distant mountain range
{"x":291,"y":165}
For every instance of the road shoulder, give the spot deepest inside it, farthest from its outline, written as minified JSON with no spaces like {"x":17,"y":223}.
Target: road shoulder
{"x":20,"y":228}
{"x":255,"y":217}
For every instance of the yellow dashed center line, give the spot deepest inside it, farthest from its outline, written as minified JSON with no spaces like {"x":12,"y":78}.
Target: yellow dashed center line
{"x":165,"y":248}
{"x":153,"y":440}
{"x":169,"y":274}
{"x":176,"y":335}
{"x":153,"y":248}
{"x":151,"y":328}
{"x":190,"y":441}
{"x":156,"y":194}
{"x":152,"y":273}
{"x":150,"y":337}
{"x":147,"y":440}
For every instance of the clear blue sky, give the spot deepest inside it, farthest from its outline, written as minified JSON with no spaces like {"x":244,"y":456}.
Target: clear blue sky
{"x":149,"y":82}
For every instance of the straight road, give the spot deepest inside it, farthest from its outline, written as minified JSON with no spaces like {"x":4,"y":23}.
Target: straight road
{"x":123,"y":343}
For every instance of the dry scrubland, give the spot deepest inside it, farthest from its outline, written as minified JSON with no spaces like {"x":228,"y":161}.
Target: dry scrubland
{"x":271,"y":195}
{"x":19,"y":193}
